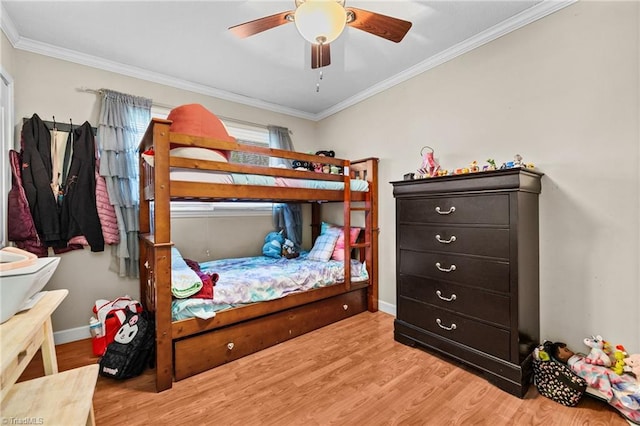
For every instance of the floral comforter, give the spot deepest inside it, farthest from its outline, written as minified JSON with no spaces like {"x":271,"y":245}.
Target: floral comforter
{"x":256,"y":279}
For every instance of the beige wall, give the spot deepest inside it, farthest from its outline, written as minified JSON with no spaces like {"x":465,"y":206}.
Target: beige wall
{"x":6,"y":54}
{"x":48,"y":87}
{"x":563,"y":92}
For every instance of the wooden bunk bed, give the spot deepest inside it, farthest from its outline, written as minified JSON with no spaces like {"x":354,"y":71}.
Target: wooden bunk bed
{"x":190,"y":346}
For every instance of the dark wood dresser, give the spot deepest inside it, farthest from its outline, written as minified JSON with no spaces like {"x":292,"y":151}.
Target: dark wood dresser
{"x":467,"y":270}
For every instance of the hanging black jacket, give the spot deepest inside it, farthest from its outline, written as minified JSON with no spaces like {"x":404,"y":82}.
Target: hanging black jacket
{"x":36,"y":180}
{"x":79,"y":214}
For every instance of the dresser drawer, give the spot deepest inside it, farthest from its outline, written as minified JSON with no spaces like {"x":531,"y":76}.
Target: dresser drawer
{"x":470,"y":301}
{"x":482,"y":273}
{"x":478,"y":209}
{"x":483,"y":337}
{"x":492,"y":242}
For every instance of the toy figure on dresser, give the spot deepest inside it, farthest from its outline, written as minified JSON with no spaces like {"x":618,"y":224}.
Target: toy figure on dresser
{"x":429,"y":166}
{"x":518,"y":161}
{"x":492,"y":164}
{"x":473,"y":168}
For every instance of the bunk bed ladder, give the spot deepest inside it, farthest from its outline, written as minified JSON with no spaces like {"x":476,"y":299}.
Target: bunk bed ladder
{"x":367,"y":248}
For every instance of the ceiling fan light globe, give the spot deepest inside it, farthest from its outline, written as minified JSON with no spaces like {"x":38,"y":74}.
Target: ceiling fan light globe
{"x":320,"y":21}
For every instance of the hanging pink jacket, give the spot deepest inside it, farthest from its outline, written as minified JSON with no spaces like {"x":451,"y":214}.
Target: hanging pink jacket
{"x":106,"y":211}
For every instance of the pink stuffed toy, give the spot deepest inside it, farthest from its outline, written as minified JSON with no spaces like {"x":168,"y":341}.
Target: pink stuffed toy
{"x":633,"y":361}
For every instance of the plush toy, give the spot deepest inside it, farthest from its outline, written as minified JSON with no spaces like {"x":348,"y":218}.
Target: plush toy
{"x":289,"y":249}
{"x":326,"y":153}
{"x":273,"y":244}
{"x":633,"y":361}
{"x":301,"y":165}
{"x":597,"y":355}
{"x":619,"y":366}
{"x":323,"y":168}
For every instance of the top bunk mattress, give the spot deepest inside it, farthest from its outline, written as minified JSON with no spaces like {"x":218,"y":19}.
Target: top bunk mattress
{"x":203,"y":176}
{"x":208,"y":176}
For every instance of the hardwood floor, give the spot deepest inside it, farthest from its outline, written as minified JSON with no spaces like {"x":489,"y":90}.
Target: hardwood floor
{"x":348,"y":373}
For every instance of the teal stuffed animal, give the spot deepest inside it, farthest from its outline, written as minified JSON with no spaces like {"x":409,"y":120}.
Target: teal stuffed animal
{"x":273,"y":244}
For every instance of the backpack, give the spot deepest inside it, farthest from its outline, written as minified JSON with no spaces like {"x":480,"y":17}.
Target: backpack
{"x":132,"y":349}
{"x":112,"y":314}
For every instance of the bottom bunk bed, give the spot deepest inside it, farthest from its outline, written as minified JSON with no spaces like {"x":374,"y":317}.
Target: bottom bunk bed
{"x":191,"y":338}
{"x":205,"y":333}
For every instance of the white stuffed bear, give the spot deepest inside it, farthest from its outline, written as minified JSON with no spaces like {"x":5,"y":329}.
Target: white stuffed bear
{"x":633,"y":361}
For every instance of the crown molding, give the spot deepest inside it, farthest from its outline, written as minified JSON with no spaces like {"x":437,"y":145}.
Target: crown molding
{"x":8,"y":28}
{"x":143,"y":74}
{"x":526,"y":17}
{"x":545,"y":8}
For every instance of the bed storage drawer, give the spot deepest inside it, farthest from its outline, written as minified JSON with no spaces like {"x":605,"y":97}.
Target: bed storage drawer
{"x":210,"y":349}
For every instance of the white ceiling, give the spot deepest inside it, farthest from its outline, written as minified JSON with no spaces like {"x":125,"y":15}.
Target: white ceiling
{"x":186,"y":44}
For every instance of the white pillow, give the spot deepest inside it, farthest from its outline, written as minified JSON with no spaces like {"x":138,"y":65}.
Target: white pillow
{"x":198,"y":153}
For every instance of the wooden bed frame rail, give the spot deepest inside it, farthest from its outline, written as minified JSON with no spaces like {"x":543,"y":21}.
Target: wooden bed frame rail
{"x":190,"y":346}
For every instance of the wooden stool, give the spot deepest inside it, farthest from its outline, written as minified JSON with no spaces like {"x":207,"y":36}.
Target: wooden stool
{"x":63,"y":398}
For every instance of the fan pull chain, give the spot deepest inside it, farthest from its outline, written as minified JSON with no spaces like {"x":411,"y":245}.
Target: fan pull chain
{"x":319,"y":61}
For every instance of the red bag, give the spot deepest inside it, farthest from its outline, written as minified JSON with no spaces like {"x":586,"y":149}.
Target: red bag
{"x":111,"y":315}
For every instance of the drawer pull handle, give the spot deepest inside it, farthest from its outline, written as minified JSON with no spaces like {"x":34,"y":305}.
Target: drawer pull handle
{"x":453,"y":325}
{"x":451,"y":210}
{"x":230,"y":346}
{"x":449,"y":241}
{"x":345,"y":307}
{"x":440,"y":268}
{"x":449,"y":299}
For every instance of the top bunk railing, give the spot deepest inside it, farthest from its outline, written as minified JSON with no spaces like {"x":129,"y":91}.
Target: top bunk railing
{"x":161,"y":140}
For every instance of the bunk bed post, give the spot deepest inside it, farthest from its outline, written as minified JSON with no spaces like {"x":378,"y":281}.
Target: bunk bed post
{"x":372,"y":216}
{"x":346,"y":228}
{"x":315,"y":221}
{"x":162,"y":257}
{"x":144,"y":225}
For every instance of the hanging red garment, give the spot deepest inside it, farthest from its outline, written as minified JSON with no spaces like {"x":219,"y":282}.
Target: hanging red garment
{"x":21,"y":229}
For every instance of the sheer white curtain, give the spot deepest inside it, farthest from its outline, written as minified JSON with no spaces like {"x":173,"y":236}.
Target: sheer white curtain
{"x":123,"y":119}
{"x":287,"y":217}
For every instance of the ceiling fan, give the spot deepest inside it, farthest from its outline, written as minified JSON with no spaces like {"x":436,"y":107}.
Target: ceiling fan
{"x":321,"y":21}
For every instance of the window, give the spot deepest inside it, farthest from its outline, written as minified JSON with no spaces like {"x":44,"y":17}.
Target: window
{"x":246,"y":134}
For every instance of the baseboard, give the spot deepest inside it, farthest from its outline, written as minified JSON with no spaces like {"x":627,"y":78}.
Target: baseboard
{"x":387,"y":308}
{"x":71,"y":335}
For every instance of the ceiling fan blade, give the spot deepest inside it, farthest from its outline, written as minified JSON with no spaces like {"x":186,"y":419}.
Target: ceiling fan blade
{"x":259,"y":25}
{"x":320,"y":55}
{"x":393,"y":29}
